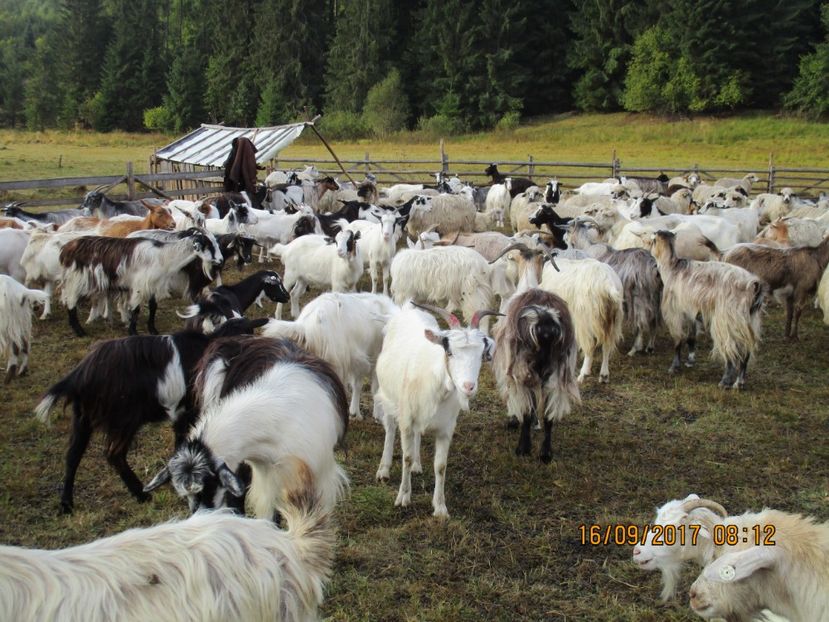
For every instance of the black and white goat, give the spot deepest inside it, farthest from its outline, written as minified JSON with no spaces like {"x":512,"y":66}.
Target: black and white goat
{"x":519,"y":184}
{"x":264,"y":402}
{"x":125,"y":383}
{"x":58,"y":217}
{"x":96,"y":203}
{"x":228,"y":301}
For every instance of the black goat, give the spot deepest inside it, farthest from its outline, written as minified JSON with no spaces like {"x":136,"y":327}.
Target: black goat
{"x":98,"y":204}
{"x":229,"y":301}
{"x":350,"y":211}
{"x":57,"y":217}
{"x":518,"y":184}
{"x":546,"y":215}
{"x":125,"y":383}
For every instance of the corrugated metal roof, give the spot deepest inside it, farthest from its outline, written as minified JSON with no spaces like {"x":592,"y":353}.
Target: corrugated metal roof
{"x":210,"y":144}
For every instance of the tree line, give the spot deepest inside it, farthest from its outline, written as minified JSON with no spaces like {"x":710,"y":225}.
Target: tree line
{"x":378,"y":66}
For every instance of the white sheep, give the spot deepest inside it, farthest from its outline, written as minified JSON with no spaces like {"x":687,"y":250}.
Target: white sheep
{"x":595,"y":296}
{"x":211,"y":567}
{"x":745,"y":182}
{"x":346,"y":330}
{"x":16,"y":302}
{"x":780,"y":562}
{"x":523,"y":206}
{"x":319,"y":261}
{"x":455,"y":275}
{"x":426,"y":376}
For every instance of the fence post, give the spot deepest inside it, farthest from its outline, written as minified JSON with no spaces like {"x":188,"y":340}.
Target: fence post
{"x":444,"y":159}
{"x":531,"y":167}
{"x":771,"y":174}
{"x":368,"y":168}
{"x":130,"y":182}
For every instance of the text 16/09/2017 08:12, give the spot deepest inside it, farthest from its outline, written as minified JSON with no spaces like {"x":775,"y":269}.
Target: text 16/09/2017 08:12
{"x":672,"y":535}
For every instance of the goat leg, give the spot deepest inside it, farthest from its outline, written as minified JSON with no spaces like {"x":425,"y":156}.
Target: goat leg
{"x":153,"y":307}
{"x":74,"y":324}
{"x":547,"y":445}
{"x":81,"y":433}
{"x":789,"y":314}
{"x":523,"y":448}
{"x":741,"y":378}
{"x":729,"y":375}
{"x":677,"y":362}
{"x":133,"y":329}
{"x":118,"y":459}
{"x":692,"y":349}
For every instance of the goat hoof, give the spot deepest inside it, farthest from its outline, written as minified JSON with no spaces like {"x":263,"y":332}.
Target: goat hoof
{"x":143,"y":497}
{"x":402,"y":500}
{"x":604,"y":378}
{"x":512,"y":423}
{"x":417,"y":468}
{"x":650,"y":350}
{"x":66,"y":507}
{"x":10,"y":374}
{"x":382,"y":475}
{"x":740,"y":386}
{"x":546,"y":458}
{"x":673,"y":369}
{"x":522,"y":451}
{"x":633,"y":353}
{"x":441,"y":512}
{"x":725,"y":386}
{"x":581,"y":378}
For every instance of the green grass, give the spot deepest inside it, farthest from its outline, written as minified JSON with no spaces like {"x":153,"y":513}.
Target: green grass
{"x":512,"y":548}
{"x":639,"y":140}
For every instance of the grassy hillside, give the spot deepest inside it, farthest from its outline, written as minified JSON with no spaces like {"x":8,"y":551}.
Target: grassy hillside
{"x":638,"y":140}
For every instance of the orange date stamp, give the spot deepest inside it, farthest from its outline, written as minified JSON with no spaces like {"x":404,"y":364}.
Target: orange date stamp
{"x":631,"y":535}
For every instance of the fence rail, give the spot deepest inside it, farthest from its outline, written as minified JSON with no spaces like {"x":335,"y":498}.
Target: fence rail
{"x":185,"y":181}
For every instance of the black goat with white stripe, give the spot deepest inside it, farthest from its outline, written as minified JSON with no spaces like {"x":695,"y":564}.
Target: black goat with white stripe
{"x":125,"y":383}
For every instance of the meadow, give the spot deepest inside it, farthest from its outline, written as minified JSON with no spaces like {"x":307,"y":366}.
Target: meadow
{"x":512,"y":549}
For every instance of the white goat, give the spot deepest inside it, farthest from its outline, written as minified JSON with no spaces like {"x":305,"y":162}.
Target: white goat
{"x":523,"y":206}
{"x":426,"y":377}
{"x":497,"y":204}
{"x":448,"y":212}
{"x":379,"y":243}
{"x":335,"y":264}
{"x":16,"y":302}
{"x":456,"y":275}
{"x":346,"y":330}
{"x":595,"y":296}
{"x":211,"y":567}
{"x":12,"y":246}
{"x":265,"y":402}
{"x":823,"y":295}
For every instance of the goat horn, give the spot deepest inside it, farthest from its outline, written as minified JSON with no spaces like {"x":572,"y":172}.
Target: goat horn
{"x":715,"y":507}
{"x":450,"y":318}
{"x":479,"y":315}
{"x":514,"y":246}
{"x":551,"y":257}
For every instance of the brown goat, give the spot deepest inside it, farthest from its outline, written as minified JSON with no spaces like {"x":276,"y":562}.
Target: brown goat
{"x":792,"y":273}
{"x":8,"y":223}
{"x":158,"y":217}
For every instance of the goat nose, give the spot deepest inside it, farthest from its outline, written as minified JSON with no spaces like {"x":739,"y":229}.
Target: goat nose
{"x":637,"y":551}
{"x":468,"y":387}
{"x":692,"y":593}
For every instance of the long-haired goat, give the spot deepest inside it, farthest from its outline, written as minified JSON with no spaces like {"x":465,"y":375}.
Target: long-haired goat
{"x":125,"y":383}
{"x":211,"y":567}
{"x":786,"y":571}
{"x":729,"y":299}
{"x":426,"y":376}
{"x":791,"y":273}
{"x":264,"y":402}
{"x":139,"y":270}
{"x":535,"y":355}
{"x":640,"y":278}
{"x":346,"y":330}
{"x":16,"y":302}
{"x":595,"y":297}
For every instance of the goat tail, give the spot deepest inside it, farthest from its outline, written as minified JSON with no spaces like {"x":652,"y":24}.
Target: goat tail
{"x":190,"y":312}
{"x":308,"y":521}
{"x":611,"y":318}
{"x":58,"y":390}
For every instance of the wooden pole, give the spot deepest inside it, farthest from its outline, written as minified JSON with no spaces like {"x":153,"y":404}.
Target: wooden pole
{"x":331,"y":151}
{"x":444,"y":159}
{"x":771,"y":174}
{"x":531,"y":167}
{"x":130,"y":182}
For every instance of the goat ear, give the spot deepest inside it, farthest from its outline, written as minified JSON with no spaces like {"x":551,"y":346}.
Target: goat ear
{"x":357,"y":236}
{"x":230,"y":481}
{"x":489,"y":349}
{"x":741,"y":565}
{"x":328,"y":239}
{"x":161,"y":478}
{"x":258,"y":322}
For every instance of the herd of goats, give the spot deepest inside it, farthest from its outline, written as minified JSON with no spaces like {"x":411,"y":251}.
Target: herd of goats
{"x":257,"y":418}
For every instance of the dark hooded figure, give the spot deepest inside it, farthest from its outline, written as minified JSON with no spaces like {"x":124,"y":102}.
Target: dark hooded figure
{"x":240,"y":167}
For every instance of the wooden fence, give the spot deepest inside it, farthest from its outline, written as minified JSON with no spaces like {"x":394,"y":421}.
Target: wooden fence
{"x":184,"y":181}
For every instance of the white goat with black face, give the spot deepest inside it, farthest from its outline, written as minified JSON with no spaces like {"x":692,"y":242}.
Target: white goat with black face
{"x":323,"y":262}
{"x":426,"y":377}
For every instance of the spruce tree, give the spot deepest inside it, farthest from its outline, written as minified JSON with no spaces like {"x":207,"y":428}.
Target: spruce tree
{"x":42,"y":100}
{"x":12,"y":75}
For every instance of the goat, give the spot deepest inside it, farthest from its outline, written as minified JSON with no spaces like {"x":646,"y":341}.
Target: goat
{"x":237,"y":214}
{"x":379,"y":241}
{"x":729,"y":299}
{"x":123,"y":384}
{"x":517,"y":186}
{"x":228,"y":301}
{"x":322,"y":262}
{"x":57,"y":217}
{"x":350,"y":212}
{"x":545,"y":214}
{"x":447,"y":212}
{"x":210,"y":567}
{"x":793,"y":273}
{"x":535,"y":354}
{"x":640,"y":278}
{"x":426,"y":376}
{"x":264,"y":402}
{"x":794,"y":232}
{"x":13,"y":244}
{"x":96,"y":203}
{"x":16,"y":302}
{"x":524,"y":206}
{"x":595,"y":297}
{"x":455,"y":274}
{"x":138,"y":270}
{"x":282,"y":228}
{"x":346,"y":330}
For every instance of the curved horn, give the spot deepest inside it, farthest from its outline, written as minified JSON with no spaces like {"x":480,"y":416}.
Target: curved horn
{"x":450,"y":318}
{"x":552,"y":259}
{"x":693,"y":504}
{"x":479,"y":315}
{"x":514,"y":246}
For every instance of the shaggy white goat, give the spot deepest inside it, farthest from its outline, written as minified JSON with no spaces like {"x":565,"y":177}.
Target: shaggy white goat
{"x":449,"y":213}
{"x":211,"y":567}
{"x":379,"y":242}
{"x":346,"y":330}
{"x":426,"y":376}
{"x":12,"y":246}
{"x":595,"y":296}
{"x":321,"y":262}
{"x":16,"y":302}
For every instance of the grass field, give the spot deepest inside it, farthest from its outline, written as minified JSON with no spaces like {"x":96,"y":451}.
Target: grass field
{"x":512,"y":549}
{"x":640,"y":140}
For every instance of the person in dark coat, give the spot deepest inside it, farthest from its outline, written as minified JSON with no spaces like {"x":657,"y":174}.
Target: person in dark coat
{"x":240,"y":167}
